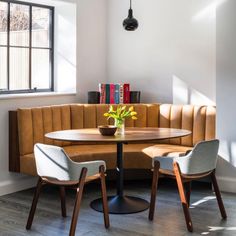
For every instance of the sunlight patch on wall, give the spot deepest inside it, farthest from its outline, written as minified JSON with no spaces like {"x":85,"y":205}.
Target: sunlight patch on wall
{"x":65,"y":48}
{"x":180,"y":91}
{"x":198,"y":98}
{"x":208,"y":12}
{"x":233,"y":153}
{"x":184,"y":94}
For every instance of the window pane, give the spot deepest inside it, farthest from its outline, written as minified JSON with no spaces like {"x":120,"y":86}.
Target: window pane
{"x":19,"y":25}
{"x":40,"y":27}
{"x":19,"y":68}
{"x":3,"y":68}
{"x":41,"y":68}
{"x":3,"y":23}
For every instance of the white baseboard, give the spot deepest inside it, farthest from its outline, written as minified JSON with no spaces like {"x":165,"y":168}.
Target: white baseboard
{"x":7,"y":187}
{"x":227,"y":184}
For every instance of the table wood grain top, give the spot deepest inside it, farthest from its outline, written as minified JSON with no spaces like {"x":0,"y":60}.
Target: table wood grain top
{"x":131,"y":134}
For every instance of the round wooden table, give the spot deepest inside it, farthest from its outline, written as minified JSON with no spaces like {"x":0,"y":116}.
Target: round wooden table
{"x":119,"y":204}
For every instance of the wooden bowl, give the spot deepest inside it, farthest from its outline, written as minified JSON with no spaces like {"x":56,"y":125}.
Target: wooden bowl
{"x":107,"y":130}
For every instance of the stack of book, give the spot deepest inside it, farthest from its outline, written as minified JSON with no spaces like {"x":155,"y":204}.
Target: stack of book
{"x":114,"y":93}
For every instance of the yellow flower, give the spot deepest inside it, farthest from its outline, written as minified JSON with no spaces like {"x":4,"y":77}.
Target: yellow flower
{"x":106,"y":114}
{"x":131,"y":108}
{"x":133,"y":113}
{"x":123,"y":108}
{"x":111,"y":109}
{"x":134,"y":118}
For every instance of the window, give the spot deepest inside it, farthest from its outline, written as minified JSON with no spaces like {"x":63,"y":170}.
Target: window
{"x":26,"y":47}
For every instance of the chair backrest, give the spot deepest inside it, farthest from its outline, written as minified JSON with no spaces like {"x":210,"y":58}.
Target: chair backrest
{"x":201,"y":159}
{"x":52,"y":161}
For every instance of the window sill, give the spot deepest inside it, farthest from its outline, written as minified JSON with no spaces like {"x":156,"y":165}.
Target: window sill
{"x":33,"y":95}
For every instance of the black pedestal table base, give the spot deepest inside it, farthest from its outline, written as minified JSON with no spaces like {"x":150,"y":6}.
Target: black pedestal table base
{"x":121,"y":205}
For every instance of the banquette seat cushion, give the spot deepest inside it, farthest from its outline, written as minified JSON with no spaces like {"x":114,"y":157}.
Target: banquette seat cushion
{"x":34,"y":123}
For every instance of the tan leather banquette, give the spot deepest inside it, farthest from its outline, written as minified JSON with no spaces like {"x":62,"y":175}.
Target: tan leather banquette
{"x":28,"y":126}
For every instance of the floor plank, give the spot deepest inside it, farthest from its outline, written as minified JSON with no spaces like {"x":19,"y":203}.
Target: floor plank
{"x":168,"y":219}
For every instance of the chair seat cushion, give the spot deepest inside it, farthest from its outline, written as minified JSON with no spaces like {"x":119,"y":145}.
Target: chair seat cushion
{"x":136,"y":156}
{"x":160,"y":150}
{"x":165,"y":154}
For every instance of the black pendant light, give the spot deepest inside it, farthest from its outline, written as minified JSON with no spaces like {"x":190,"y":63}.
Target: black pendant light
{"x":130,"y":23}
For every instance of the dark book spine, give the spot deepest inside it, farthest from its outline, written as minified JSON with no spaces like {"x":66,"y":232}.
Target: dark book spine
{"x":107,"y":93}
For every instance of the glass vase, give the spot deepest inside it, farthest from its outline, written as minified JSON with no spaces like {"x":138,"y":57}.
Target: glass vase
{"x":120,"y":124}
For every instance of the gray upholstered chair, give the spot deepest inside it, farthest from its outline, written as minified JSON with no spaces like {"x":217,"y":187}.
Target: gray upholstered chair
{"x":56,"y":168}
{"x":196,"y":164}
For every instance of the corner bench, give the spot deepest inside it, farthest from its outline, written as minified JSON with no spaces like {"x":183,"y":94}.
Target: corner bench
{"x":28,"y":126}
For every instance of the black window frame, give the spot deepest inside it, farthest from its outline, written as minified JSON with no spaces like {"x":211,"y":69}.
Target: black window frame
{"x":30,"y":47}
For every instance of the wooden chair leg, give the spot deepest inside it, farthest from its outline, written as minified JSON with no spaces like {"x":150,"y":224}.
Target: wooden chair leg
{"x":104,"y":197}
{"x":34,"y":204}
{"x":183,"y":197}
{"x":63,"y":201}
{"x":154,"y":189}
{"x":188,"y":188}
{"x":218,"y":196}
{"x":77,"y":202}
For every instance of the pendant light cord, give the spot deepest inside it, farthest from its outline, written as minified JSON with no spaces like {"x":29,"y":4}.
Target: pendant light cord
{"x":130,"y":4}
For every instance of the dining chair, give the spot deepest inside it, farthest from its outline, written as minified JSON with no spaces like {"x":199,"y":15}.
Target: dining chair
{"x":54,"y":167}
{"x":196,"y":164}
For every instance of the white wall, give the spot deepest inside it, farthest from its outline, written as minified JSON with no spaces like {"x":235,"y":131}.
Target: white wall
{"x":226,"y":95}
{"x":92,"y":46}
{"x":91,"y":51}
{"x":175,"y":42}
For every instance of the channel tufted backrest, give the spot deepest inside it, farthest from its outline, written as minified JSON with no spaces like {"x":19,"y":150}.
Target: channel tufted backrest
{"x":34,"y":123}
{"x":198,"y":119}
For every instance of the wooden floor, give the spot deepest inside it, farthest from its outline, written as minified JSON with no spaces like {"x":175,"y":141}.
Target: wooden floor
{"x":168,"y":221}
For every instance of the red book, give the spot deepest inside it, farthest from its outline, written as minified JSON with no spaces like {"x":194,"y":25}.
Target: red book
{"x":112,"y":93}
{"x":126,"y":93}
{"x":102,"y":90}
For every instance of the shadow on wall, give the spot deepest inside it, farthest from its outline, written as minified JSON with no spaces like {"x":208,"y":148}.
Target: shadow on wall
{"x":228,"y":149}
{"x":184,"y":94}
{"x":227,"y":155}
{"x":226,"y":165}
